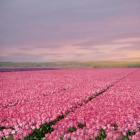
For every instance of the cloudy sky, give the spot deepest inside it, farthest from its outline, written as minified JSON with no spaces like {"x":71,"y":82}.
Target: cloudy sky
{"x":69,"y":30}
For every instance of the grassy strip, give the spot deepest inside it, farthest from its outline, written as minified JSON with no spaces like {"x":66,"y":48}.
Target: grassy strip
{"x":92,"y":64}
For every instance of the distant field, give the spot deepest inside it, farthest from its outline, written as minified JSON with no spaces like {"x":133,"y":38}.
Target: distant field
{"x":95,"y":64}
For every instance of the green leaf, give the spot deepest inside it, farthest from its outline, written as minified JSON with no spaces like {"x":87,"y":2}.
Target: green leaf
{"x":102,"y":135}
{"x":71,"y":129}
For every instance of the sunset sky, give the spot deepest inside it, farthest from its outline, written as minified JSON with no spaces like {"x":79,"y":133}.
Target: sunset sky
{"x":69,"y":30}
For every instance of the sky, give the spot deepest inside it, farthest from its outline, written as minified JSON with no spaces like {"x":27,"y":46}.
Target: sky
{"x":69,"y":30}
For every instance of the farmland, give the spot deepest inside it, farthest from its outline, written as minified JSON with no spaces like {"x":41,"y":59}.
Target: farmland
{"x":82,"y":104}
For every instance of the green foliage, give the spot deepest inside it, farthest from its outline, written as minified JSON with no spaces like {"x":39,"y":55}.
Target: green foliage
{"x":94,"y":64}
{"x":71,"y":129}
{"x":102,"y":135}
{"x":39,"y":134}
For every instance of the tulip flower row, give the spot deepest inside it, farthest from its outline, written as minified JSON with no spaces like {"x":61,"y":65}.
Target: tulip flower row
{"x":32,"y":98}
{"x":114,"y":115}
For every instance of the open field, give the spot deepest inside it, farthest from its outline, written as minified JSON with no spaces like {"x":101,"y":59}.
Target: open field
{"x":76,"y":104}
{"x":94,"y":64}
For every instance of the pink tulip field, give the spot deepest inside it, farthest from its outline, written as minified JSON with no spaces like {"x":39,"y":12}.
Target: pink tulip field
{"x":70,"y":104}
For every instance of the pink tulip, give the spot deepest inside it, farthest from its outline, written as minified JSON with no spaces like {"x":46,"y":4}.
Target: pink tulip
{"x":31,"y":98}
